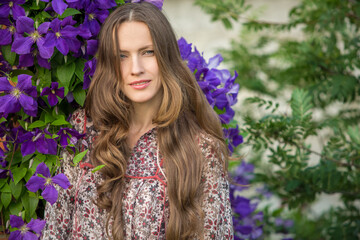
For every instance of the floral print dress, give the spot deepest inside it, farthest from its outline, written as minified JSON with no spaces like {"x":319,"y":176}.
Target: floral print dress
{"x":145,"y":207}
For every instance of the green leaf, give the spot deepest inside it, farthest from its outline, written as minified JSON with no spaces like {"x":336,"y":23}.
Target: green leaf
{"x":79,"y":157}
{"x":226,"y":23}
{"x":60,"y":121}
{"x":354,"y":134}
{"x":30,"y":203}
{"x":2,"y":120}
{"x":301,"y":104}
{"x":49,"y":117}
{"x":5,"y":199}
{"x":97,"y":168}
{"x":69,"y":12}
{"x":6,"y":188}
{"x":2,"y":182}
{"x":65,"y":73}
{"x":45,"y":77}
{"x":79,"y":95}
{"x":80,"y":64}
{"x":18,"y":174}
{"x":15,"y":207}
{"x":16,"y":189}
{"x":8,"y":54}
{"x":37,"y":124}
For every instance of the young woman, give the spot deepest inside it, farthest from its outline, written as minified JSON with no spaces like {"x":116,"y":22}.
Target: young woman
{"x":147,"y":120}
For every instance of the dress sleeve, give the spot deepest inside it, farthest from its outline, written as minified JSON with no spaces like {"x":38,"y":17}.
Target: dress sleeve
{"x":216,"y":201}
{"x":59,"y":216}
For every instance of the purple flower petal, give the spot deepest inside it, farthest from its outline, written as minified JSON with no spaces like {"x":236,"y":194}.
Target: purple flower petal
{"x":45,"y":52}
{"x":62,"y":46}
{"x":52,"y":146}
{"x":53,"y":100}
{"x":43,"y":62}
{"x":60,"y":92}
{"x":43,"y":28}
{"x":22,"y":45}
{"x":105,"y":4}
{"x":9,"y":104}
{"x":16,"y":235}
{"x":215,"y":61}
{"x":30,"y":236}
{"x":36,"y":225}
{"x":74,"y":44}
{"x":26,"y":60}
{"x":41,"y":145}
{"x":35,"y":183}
{"x":50,"y":40}
{"x":59,"y":6}
{"x":61,"y":180}
{"x":4,"y":11}
{"x":5,"y":85}
{"x":24,"y":82}
{"x":50,"y":194}
{"x":28,"y":148}
{"x":24,"y":24}
{"x":92,"y":46}
{"x":29,"y":105}
{"x":43,"y":170}
{"x":46,"y":91}
{"x":67,"y":21}
{"x":244,"y":229}
{"x":17,"y":11}
{"x":6,"y":37}
{"x":16,"y":221}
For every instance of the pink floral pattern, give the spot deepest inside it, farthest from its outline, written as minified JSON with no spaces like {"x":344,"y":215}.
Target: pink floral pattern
{"x":145,"y":202}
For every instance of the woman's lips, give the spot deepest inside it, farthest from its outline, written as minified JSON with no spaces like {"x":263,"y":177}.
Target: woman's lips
{"x":141,"y":84}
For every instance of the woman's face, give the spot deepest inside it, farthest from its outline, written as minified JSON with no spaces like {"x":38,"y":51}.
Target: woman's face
{"x":139,"y":69}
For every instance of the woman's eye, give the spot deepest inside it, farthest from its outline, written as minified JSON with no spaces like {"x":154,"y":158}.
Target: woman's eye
{"x":122,"y":56}
{"x":149,"y":52}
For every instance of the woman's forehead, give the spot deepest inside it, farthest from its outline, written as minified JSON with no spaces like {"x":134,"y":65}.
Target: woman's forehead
{"x":133,"y":36}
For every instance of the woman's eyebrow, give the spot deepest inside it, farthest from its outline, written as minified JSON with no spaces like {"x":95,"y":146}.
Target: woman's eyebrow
{"x":140,"y":49}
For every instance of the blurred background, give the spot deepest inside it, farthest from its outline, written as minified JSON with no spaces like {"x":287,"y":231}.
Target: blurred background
{"x":298,"y":110}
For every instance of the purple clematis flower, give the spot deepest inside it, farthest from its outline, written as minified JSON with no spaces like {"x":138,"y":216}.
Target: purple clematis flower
{"x":27,"y":60}
{"x":30,"y":231}
{"x":7,"y":33}
{"x":89,"y":71}
{"x":5,"y":67}
{"x":235,"y":139}
{"x":36,"y":141}
{"x":157,"y":3}
{"x":22,"y":45}
{"x":53,"y":92}
{"x":12,"y":7}
{"x":93,"y":16}
{"x":22,"y":95}
{"x":46,"y":183}
{"x":58,"y":5}
{"x":63,"y":36}
{"x":69,"y":133}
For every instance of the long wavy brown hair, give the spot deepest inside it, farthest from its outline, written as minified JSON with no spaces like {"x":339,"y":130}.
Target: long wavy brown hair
{"x":183,"y":116}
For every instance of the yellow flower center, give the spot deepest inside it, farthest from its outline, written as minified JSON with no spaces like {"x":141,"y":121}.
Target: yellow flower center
{"x":48,"y":181}
{"x":53,"y":91}
{"x":12,"y":29}
{"x":91,"y":16}
{"x":16,"y":93}
{"x":24,"y":229}
{"x":58,"y":34}
{"x":11,"y":4}
{"x":35,"y":35}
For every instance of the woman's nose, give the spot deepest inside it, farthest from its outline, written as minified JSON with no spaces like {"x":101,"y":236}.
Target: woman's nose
{"x":137,"y":67}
